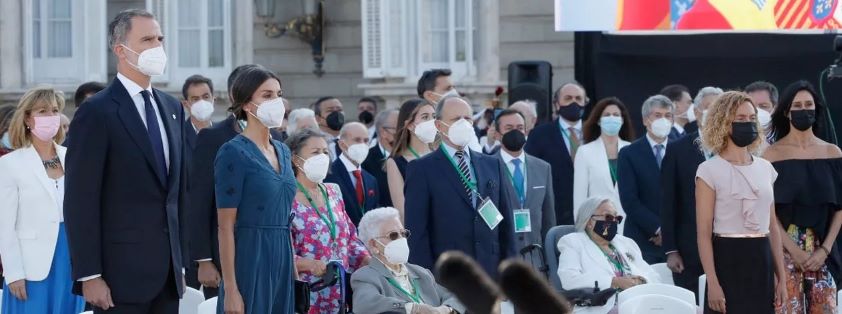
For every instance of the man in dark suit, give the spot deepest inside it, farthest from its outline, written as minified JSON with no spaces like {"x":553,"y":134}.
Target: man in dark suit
{"x":530,"y":183}
{"x":359,"y":188}
{"x":638,"y":178}
{"x":124,"y":184}
{"x":201,"y":212}
{"x":198,"y":102}
{"x":680,"y":97}
{"x":556,"y":143}
{"x":703,"y":99}
{"x":385,"y":125}
{"x":678,"y":212}
{"x":448,"y":193}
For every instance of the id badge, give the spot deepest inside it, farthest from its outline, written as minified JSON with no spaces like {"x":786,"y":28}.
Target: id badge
{"x":490,"y":214}
{"x":523,"y":221}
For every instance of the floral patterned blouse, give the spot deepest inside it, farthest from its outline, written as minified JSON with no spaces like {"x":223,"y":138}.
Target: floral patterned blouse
{"x":311,"y":239}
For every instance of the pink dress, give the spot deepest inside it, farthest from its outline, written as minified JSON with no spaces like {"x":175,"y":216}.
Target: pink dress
{"x":311,"y":239}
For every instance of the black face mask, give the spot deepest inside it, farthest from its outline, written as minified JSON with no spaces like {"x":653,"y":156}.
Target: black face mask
{"x":335,"y":120}
{"x":514,"y":140}
{"x":743,"y":133}
{"x":606,"y":229}
{"x":802,"y":119}
{"x":366,"y":117}
{"x":571,"y":112}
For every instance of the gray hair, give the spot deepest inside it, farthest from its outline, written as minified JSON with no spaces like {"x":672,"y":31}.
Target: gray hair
{"x":529,"y":104}
{"x":657,"y":101}
{"x":706,"y":91}
{"x":381,"y":118}
{"x":369,"y":225}
{"x":344,"y":130}
{"x":120,"y":26}
{"x":588,"y":209}
{"x":296,"y":140}
{"x":440,"y":105}
{"x":296,"y":115}
{"x":768,"y":87}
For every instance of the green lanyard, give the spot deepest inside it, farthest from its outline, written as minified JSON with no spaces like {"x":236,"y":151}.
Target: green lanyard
{"x":471,"y":184}
{"x":612,"y":167}
{"x":329,"y":220}
{"x":414,"y":153}
{"x":573,"y":145}
{"x":414,"y":296}
{"x":618,"y":265}
{"x":520,"y":194}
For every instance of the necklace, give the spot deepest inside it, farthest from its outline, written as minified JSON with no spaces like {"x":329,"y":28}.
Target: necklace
{"x":52,"y":163}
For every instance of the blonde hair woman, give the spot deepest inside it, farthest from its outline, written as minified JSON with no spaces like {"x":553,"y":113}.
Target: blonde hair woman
{"x":33,"y":241}
{"x":738,"y":244}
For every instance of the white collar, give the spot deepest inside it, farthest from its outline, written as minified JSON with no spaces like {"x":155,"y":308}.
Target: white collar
{"x":678,"y":128}
{"x":131,"y":86}
{"x":382,"y":149}
{"x":507,"y":158}
{"x":348,"y":164}
{"x":652,"y":142}
{"x":452,"y":150}
{"x":564,"y":125}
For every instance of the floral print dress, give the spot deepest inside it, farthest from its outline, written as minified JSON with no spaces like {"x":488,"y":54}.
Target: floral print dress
{"x":312,"y":240}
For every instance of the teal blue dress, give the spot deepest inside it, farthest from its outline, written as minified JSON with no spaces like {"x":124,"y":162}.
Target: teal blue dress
{"x":263,"y":259}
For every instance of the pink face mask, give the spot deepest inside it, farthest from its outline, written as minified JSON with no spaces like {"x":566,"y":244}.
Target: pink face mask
{"x":46,"y":127}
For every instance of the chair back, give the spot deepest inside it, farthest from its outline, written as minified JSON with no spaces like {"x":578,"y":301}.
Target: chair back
{"x":189,"y":303}
{"x":208,"y":306}
{"x":657,"y":289}
{"x":703,"y":282}
{"x":664,"y":272}
{"x":551,"y":251}
{"x":656,"y":304}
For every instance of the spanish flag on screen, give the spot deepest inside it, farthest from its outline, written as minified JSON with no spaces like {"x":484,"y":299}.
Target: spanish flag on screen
{"x":643,"y":14}
{"x":760,"y":14}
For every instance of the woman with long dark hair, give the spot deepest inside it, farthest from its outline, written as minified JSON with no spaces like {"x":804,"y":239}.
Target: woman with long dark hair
{"x":607,"y":130}
{"x":416,"y":131}
{"x":808,"y":196}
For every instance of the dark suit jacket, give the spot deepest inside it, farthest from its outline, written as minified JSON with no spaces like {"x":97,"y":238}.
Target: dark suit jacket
{"x":691,"y":127}
{"x":547,"y":143}
{"x":678,"y":212}
{"x":203,"y":231}
{"x":539,"y":199}
{"x":120,"y":211}
{"x":639,"y":182}
{"x":339,"y":175}
{"x":441,"y":215}
{"x":374,"y":165}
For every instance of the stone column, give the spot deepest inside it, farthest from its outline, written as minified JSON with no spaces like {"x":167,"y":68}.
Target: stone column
{"x":488,"y":33}
{"x":11,"y":45}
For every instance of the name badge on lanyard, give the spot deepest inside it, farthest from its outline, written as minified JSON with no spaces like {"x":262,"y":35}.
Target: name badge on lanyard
{"x":490,"y":214}
{"x":523,"y":220}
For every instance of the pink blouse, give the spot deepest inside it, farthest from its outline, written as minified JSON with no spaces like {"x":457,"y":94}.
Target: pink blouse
{"x":744,"y":194}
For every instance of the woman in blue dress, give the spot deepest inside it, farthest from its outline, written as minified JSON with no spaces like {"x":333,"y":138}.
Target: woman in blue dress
{"x":255,"y":187}
{"x":33,"y":242}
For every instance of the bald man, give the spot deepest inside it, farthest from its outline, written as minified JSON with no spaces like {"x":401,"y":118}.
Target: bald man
{"x":359,"y":187}
{"x":454,"y":198}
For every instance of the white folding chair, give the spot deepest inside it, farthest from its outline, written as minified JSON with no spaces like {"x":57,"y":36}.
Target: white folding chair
{"x":87,"y":312}
{"x":657,"y":289}
{"x":703,"y":282}
{"x":838,"y":297}
{"x":1,"y":297}
{"x":189,"y":303}
{"x":656,"y":304}
{"x":664,"y":272}
{"x":208,"y":306}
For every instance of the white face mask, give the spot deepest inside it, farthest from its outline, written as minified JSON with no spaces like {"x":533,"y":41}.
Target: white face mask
{"x":461,"y":133}
{"x":449,"y":93}
{"x":202,"y":110}
{"x":151,"y":61}
{"x":357,"y":153}
{"x":691,"y":114}
{"x":426,"y":131}
{"x":315,"y":168}
{"x":704,"y":117}
{"x":661,"y":127}
{"x":764,"y":117}
{"x":396,"y":252}
{"x":271,"y":113}
{"x":474,"y":143}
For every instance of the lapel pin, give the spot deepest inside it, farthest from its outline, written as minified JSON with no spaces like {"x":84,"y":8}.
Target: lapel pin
{"x":173,"y":116}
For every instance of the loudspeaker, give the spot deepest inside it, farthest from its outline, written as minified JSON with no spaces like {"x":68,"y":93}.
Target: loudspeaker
{"x":532,"y":80}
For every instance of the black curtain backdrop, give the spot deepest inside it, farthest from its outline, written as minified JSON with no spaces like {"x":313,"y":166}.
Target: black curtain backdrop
{"x":634,"y":67}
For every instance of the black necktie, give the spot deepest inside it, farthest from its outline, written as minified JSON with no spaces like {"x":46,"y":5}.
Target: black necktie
{"x":154,"y":132}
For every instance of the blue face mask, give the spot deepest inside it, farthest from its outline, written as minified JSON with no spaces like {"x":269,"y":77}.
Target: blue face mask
{"x":611,"y":125}
{"x":5,"y":141}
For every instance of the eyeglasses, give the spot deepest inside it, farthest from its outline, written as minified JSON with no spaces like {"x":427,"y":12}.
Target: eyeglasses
{"x":394,"y":235}
{"x":609,"y":218}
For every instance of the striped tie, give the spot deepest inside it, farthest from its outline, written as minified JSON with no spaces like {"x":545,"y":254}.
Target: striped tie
{"x":463,"y":168}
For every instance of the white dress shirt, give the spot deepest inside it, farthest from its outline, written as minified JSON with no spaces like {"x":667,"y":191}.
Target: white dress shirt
{"x":565,"y":128}
{"x":386,"y":152}
{"x":134,"y":92}
{"x":350,"y":167}
{"x":653,"y":142}
{"x":507,"y":159}
{"x":678,"y":128}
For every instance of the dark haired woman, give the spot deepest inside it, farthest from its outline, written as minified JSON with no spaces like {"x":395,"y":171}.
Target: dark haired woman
{"x":416,"y":131}
{"x":808,"y":196}
{"x":607,"y":130}
{"x":255,"y":187}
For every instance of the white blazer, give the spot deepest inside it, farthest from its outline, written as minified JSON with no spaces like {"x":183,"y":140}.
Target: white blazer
{"x":581,"y":263}
{"x":29,"y":215}
{"x":592,"y":177}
